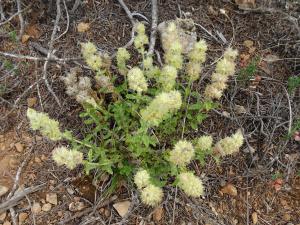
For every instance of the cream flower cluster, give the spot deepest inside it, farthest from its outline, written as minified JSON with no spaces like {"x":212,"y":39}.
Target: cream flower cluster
{"x":197,"y":57}
{"x":173,"y":50}
{"x":224,"y":69}
{"x":230,"y":145}
{"x":91,"y":56}
{"x":150,"y":194}
{"x":167,"y":78}
{"x":79,"y":88}
{"x":64,"y":156}
{"x":182,"y":154}
{"x":162,"y":105}
{"x":190,"y":184}
{"x":204,"y":143}
{"x":122,"y":56}
{"x":137,"y":80}
{"x":141,"y":38}
{"x":41,"y":121}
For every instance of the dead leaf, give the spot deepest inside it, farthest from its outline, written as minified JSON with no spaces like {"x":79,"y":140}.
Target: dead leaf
{"x":83,"y":27}
{"x":245,"y":4}
{"x":25,"y":38}
{"x":122,"y":207}
{"x":271,"y":58}
{"x":230,"y":190}
{"x":31,"y":102}
{"x":239,"y":109}
{"x":33,"y":31}
{"x":254,"y":218}
{"x":248,"y":43}
{"x":158,"y":213}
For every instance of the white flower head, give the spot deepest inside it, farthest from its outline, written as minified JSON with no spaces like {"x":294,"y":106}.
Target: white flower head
{"x":64,"y":156}
{"x":142,"y":179}
{"x":182,"y":154}
{"x":41,"y":121}
{"x":137,"y":80}
{"x":151,"y":195}
{"x":190,"y":184}
{"x":205,"y":142}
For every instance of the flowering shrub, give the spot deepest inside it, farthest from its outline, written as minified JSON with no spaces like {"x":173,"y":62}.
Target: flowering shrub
{"x":139,"y":115}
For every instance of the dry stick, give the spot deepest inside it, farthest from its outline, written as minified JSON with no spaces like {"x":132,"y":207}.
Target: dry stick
{"x":13,"y":16}
{"x":68,"y":21}
{"x":153,"y":27}
{"x":2,"y":12}
{"x":13,"y":201}
{"x":21,"y":19}
{"x":87,"y":211}
{"x":129,"y":14}
{"x":58,"y":14}
{"x":28,"y":57}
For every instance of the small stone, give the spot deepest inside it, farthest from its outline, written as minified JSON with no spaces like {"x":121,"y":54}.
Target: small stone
{"x":43,"y":157}
{"x":158,"y":213}
{"x":287,"y":217}
{"x":70,"y":191}
{"x":106,"y":213}
{"x":60,"y":213}
{"x":229,"y":189}
{"x":19,"y":147}
{"x":51,"y":198}
{"x":2,"y":216}
{"x":7,"y":223}
{"x":76,"y":206}
{"x":43,"y":201}
{"x":36,"y":208}
{"x":122,"y":207}
{"x":37,"y":159}
{"x":101,"y":210}
{"x":22,"y":217}
{"x":3,"y":190}
{"x":47,"y":207}
{"x":254,"y":218}
{"x":31,"y":102}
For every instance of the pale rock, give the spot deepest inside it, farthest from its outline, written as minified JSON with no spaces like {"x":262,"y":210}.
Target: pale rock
{"x":76,"y":206}
{"x":19,"y":147}
{"x":254,"y":218}
{"x":47,"y":207}
{"x":22,"y":217}
{"x":2,"y":216}
{"x":122,"y":207}
{"x":7,"y":223}
{"x":230,"y":190}
{"x":37,"y":160}
{"x":36,"y":208}
{"x":51,"y":198}
{"x":3,"y":190}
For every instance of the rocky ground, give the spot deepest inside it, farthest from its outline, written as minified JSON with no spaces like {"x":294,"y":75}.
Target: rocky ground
{"x":261,"y":185}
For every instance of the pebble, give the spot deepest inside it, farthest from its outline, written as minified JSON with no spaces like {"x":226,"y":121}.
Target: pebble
{"x":36,"y":208}
{"x":22,"y":217}
{"x":37,"y":159}
{"x":2,"y":216}
{"x":51,"y":198}
{"x":46,"y":207}
{"x":19,"y":147}
{"x":76,"y":206}
{"x":3,"y":190}
{"x":7,"y":223}
{"x":60,"y":213}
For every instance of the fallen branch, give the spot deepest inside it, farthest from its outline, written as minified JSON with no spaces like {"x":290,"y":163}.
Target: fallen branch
{"x":14,"y":200}
{"x":88,"y":210}
{"x":153,"y":27}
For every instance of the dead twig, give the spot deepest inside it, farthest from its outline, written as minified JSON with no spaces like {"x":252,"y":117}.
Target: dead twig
{"x":58,"y":15}
{"x":13,"y":16}
{"x":21,"y":18}
{"x":129,"y":14}
{"x":14,"y":200}
{"x":2,"y":12}
{"x":88,"y":210}
{"x":68,"y":21}
{"x":28,"y":57}
{"x":153,"y":27}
